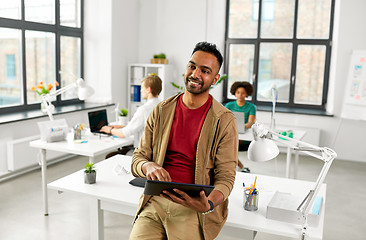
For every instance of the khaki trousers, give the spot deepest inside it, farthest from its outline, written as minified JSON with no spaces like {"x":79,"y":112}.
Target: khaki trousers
{"x":164,"y":219}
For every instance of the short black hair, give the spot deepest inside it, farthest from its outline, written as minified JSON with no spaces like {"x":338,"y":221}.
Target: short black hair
{"x":246,"y":85}
{"x":210,"y":48}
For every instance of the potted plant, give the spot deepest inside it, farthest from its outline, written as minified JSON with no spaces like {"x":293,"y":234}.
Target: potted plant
{"x":43,"y":89}
{"x":122,"y":119}
{"x":159,"y":58}
{"x":90,"y":174}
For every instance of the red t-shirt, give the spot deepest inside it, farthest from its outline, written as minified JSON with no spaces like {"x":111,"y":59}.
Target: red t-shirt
{"x":180,"y":159}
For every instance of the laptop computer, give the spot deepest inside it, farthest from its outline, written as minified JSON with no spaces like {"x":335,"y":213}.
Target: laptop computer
{"x":98,"y":119}
{"x":240,"y":121}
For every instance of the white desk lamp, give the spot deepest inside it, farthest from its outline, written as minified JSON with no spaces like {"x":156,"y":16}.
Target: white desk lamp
{"x":273,"y":94}
{"x":263,"y":148}
{"x":84,"y":91}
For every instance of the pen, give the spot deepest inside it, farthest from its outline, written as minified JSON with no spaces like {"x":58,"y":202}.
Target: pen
{"x":255,"y":180}
{"x":252,"y":197}
{"x":249,"y":200}
{"x":80,"y":128}
{"x":253,"y":189}
{"x":245,"y":186}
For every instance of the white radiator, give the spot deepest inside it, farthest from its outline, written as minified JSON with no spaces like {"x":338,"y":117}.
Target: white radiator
{"x":20,"y":155}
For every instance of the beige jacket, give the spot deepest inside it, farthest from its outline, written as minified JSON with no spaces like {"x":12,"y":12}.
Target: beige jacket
{"x":216,"y":156}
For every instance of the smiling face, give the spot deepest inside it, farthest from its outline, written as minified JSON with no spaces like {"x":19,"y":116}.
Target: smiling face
{"x":201,"y":73}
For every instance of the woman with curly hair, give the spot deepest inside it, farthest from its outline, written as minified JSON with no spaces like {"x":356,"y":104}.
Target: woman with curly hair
{"x":241,"y":90}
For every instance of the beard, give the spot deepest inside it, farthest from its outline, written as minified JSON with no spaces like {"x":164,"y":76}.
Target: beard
{"x":196,"y":86}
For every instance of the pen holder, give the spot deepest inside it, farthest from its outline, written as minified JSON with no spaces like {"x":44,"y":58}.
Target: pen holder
{"x":250,"y":201}
{"x":77,"y":132}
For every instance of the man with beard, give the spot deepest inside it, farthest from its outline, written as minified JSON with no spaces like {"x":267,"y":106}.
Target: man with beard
{"x":188,"y":138}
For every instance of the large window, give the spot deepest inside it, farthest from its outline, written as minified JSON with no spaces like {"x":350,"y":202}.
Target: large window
{"x":282,"y":44}
{"x":40,"y":41}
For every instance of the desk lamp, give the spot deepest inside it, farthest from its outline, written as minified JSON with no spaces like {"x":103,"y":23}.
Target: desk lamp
{"x":84,"y":91}
{"x":263,"y":148}
{"x":273,"y":94}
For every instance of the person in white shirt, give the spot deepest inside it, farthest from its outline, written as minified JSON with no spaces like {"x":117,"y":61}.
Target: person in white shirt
{"x":150,"y":89}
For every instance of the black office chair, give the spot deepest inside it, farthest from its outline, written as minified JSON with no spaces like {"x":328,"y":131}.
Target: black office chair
{"x":127,"y":150}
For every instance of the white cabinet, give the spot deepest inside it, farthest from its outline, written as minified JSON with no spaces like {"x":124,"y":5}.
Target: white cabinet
{"x":136,"y":72}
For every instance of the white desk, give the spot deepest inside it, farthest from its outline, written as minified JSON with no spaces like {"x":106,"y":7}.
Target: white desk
{"x":298,"y":135}
{"x":113,"y":193}
{"x":95,"y":146}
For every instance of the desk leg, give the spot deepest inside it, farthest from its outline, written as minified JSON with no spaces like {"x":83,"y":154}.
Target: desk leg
{"x":288,"y":162}
{"x":91,"y":159}
{"x":97,"y":220}
{"x":43,"y":164}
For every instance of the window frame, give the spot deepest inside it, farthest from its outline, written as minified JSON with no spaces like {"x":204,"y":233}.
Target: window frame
{"x":59,"y":30}
{"x":295,"y":43}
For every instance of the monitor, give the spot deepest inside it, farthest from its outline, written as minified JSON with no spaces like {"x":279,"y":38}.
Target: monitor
{"x":97,"y":119}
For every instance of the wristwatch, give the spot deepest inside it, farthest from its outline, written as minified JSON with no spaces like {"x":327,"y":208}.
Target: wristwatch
{"x":211,"y":207}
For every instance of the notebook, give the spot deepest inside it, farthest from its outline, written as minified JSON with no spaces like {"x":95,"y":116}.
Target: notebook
{"x":98,"y":119}
{"x":240,"y":121}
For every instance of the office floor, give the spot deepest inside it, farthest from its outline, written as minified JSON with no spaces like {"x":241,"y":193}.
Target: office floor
{"x":21,"y":203}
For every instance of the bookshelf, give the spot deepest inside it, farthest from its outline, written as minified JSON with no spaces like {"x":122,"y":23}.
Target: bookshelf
{"x":136,"y":72}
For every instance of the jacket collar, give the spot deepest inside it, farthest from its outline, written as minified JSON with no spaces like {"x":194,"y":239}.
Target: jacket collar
{"x":216,"y":107}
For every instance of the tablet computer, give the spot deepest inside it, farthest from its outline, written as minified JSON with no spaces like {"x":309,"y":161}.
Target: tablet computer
{"x":156,"y":188}
{"x":138,"y":182}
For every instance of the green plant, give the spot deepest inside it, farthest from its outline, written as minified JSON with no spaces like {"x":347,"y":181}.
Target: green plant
{"x":161,"y":55}
{"x":123,"y":112}
{"x":89,"y":168}
{"x":177,"y":86}
{"x":222,"y":78}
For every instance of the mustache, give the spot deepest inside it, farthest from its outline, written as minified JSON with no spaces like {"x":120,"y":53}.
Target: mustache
{"x":195,"y":80}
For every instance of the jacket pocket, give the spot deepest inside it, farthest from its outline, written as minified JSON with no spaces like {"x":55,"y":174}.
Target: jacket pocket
{"x":209,"y":173}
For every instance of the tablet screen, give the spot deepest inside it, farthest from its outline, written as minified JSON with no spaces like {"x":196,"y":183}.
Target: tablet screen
{"x":193,"y":190}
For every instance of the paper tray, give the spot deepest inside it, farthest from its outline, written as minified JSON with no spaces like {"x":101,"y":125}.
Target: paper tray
{"x":282,"y":207}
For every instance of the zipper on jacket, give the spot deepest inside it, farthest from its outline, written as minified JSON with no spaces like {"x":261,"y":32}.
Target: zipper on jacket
{"x":212,"y":143}
{"x":159,"y":134}
{"x":204,"y":182}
